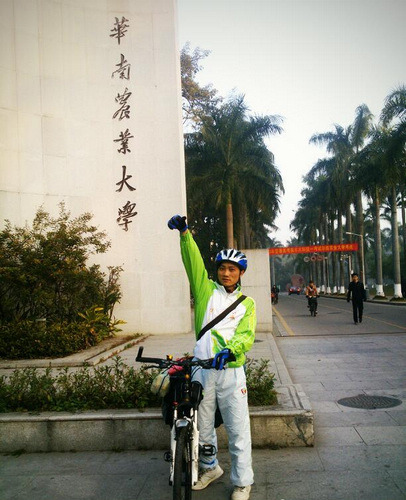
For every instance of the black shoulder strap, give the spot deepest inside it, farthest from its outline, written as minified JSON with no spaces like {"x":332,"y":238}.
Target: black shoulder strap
{"x":221,"y":316}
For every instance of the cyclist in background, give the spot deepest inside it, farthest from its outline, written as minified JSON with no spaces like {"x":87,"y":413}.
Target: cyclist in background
{"x":225,"y":386}
{"x":311,"y":291}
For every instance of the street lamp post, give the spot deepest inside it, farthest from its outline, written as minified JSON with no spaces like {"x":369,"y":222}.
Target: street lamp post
{"x":347,"y":257}
{"x":362,"y":257}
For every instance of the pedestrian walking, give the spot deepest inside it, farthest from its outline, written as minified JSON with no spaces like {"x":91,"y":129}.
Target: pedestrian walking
{"x":356,"y":293}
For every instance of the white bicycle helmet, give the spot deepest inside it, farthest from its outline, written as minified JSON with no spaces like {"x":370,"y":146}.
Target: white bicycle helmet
{"x":232,"y":255}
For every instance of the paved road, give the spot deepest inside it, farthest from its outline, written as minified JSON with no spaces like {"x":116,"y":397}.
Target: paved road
{"x":333,"y":359}
{"x":335,"y":317}
{"x":359,"y":454}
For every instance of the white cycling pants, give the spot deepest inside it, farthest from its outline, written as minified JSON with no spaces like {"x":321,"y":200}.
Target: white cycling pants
{"x":228,"y":389}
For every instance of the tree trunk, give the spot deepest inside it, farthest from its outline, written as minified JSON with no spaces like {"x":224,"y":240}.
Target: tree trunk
{"x":230,"y":225}
{"x":395,"y":246}
{"x":247,"y":231}
{"x":360,"y":230}
{"x":348,"y":219}
{"x":327,"y":260}
{"x":340,"y":240}
{"x":378,"y":245}
{"x":241,"y":229}
{"x":348,"y":225}
{"x":403,"y":196}
{"x":273,"y":278}
{"x":322,"y":240}
{"x":334,"y":258}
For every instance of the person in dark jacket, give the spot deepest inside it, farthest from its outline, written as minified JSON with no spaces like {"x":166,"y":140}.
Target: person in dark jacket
{"x":356,"y":292}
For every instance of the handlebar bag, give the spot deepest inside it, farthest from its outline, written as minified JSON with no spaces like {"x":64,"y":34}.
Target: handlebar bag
{"x":161,"y":383}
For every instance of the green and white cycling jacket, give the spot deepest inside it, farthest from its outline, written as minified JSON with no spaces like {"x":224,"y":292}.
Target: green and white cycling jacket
{"x":237,"y":330}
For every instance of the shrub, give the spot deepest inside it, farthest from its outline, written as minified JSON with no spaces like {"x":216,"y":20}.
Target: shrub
{"x":44,"y":272}
{"x":117,"y":386}
{"x":32,"y":339}
{"x":51,"y":302}
{"x":260,"y":383}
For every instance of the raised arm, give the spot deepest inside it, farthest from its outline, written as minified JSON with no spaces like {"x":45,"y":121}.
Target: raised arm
{"x":192,"y":259}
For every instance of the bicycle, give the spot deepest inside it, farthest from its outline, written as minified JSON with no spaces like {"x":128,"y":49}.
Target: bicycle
{"x":313,"y":305}
{"x":183,"y":401}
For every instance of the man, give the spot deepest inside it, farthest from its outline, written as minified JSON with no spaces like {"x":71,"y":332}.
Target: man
{"x":356,"y":292}
{"x":311,"y":294}
{"x":229,"y":339}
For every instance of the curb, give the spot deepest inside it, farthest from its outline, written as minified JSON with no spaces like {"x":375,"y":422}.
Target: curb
{"x":98,"y":356}
{"x":378,"y":301}
{"x":290,"y":423}
{"x":287,"y":424}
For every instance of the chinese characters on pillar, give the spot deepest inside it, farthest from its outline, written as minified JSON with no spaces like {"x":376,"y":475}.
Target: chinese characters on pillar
{"x":122,"y":71}
{"x":119,"y":29}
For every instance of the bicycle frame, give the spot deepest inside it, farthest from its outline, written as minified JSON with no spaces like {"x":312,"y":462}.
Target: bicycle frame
{"x":185,"y":408}
{"x":185,"y":411}
{"x":313,"y":305}
{"x":190,"y":423}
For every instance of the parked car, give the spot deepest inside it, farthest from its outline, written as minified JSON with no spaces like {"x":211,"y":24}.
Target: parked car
{"x":295,"y":289}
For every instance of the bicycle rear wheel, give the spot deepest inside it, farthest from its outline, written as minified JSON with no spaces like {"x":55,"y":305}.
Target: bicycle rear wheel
{"x":182,"y":474}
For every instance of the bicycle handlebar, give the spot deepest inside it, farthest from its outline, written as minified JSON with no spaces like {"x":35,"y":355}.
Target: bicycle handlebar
{"x":147,"y":360}
{"x":165,"y":363}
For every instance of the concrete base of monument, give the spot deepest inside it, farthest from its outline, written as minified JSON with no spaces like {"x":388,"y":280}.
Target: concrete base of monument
{"x":289,"y":423}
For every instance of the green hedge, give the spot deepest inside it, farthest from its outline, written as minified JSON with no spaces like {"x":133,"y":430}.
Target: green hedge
{"x":117,"y":386}
{"x":31,"y":339}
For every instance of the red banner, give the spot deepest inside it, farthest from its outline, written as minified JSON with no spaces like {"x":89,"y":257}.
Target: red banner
{"x":341,"y":247}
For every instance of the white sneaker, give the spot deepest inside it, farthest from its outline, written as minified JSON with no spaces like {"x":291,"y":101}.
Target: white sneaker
{"x":207,"y":476}
{"x":241,"y":493}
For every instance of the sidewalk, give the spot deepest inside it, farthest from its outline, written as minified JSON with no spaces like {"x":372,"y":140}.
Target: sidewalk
{"x":387,"y":300}
{"x":358,"y":454}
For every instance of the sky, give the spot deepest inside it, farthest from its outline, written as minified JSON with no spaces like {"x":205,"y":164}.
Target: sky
{"x":311,"y":61}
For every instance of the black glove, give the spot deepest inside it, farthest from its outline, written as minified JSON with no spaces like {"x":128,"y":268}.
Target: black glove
{"x":178,"y":222}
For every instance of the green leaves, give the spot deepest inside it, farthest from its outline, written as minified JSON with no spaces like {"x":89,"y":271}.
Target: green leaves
{"x":228,"y":167}
{"x":260,"y":383}
{"x":44,"y":271}
{"x":38,"y":339}
{"x":51,"y":302}
{"x":103,"y":387}
{"x":116,"y":386}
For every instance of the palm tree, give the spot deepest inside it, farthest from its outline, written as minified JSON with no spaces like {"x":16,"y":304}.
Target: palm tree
{"x":394,"y":161}
{"x":228,"y":162}
{"x":329,"y":196}
{"x":395,"y":106}
{"x":337,"y":167}
{"x":360,"y":130}
{"x":369,"y":175}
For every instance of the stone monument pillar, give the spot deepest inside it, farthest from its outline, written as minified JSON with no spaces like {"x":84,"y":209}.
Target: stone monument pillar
{"x":256,"y":283}
{"x":90,"y":114}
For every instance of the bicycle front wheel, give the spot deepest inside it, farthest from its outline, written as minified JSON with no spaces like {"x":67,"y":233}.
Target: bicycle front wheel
{"x":182,"y":474}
